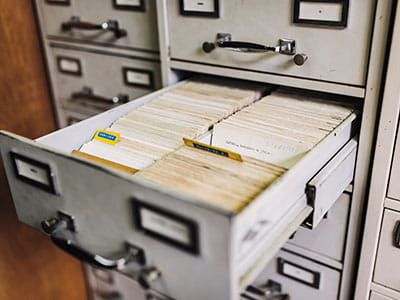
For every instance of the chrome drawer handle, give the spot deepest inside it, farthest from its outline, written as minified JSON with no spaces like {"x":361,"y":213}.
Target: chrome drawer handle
{"x":87,"y":93}
{"x":224,"y":40}
{"x":62,"y":233}
{"x":110,"y":25}
{"x":396,"y":235}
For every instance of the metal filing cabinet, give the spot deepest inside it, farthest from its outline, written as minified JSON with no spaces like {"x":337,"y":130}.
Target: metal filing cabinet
{"x":300,"y":277}
{"x":89,"y":82}
{"x":305,"y":46}
{"x":88,"y":46}
{"x":379,"y":275}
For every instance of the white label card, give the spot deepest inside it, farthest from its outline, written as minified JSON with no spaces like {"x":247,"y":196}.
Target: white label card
{"x":165,"y":226}
{"x":138,"y":78}
{"x":69,"y":65}
{"x":298,"y":273}
{"x":321,"y":11}
{"x":32,"y":172}
{"x":199,"y":5}
{"x":128,"y":2}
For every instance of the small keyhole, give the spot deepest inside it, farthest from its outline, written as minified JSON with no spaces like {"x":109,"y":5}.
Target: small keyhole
{"x":33,"y":170}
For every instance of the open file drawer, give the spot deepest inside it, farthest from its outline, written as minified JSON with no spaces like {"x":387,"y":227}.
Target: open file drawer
{"x":220,"y":259}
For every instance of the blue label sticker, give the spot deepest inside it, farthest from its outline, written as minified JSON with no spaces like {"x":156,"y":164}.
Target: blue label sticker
{"x":107,"y":136}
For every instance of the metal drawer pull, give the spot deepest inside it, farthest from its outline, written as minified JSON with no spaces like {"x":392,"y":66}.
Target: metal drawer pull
{"x":224,"y":40}
{"x":110,"y":25}
{"x":87,"y":93}
{"x":62,"y":233}
{"x":396,"y":236}
{"x":68,"y":246}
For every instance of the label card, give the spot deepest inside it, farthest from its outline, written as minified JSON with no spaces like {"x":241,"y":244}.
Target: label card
{"x":69,"y":65}
{"x":138,"y":5}
{"x":33,"y":172}
{"x":212,"y":149}
{"x":299,"y":273}
{"x":138,"y":77}
{"x":108,"y":137}
{"x":166,"y":226}
{"x":324,"y":12}
{"x":206,"y":8}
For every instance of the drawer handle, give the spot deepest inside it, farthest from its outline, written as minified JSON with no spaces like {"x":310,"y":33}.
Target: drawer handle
{"x":110,"y":25}
{"x":87,"y":93}
{"x":62,"y":233}
{"x":396,"y":236}
{"x":224,"y":40}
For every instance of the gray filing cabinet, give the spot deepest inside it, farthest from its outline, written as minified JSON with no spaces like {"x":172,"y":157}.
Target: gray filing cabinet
{"x":99,"y":53}
{"x":379,"y":270}
{"x":307,"y":46}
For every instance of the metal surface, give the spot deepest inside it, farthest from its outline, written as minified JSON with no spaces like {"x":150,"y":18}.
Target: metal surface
{"x":267,"y":21}
{"x":140,"y":25}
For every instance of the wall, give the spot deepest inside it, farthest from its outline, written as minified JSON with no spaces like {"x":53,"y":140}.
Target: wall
{"x":30,"y":266}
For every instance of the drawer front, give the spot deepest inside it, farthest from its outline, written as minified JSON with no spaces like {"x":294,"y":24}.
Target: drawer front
{"x":105,"y":285}
{"x":138,"y":19}
{"x":387,"y":268}
{"x":329,"y":237}
{"x":394,"y":186}
{"x":376,"y":296}
{"x":77,"y":73}
{"x":266,"y":22}
{"x":71,"y":117}
{"x":301,"y":278}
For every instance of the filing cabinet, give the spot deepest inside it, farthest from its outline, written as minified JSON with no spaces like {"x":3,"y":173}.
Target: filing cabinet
{"x":133,"y":23}
{"x":329,"y":237}
{"x":378,"y":272}
{"x":301,"y":53}
{"x":387,"y":269}
{"x":98,"y":53}
{"x":300,"y":277}
{"x":88,"y":82}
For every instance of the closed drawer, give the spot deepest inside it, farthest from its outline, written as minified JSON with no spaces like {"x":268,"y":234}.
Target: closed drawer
{"x":106,"y":285}
{"x":90,"y":82}
{"x":137,"y":18}
{"x":387,"y":268}
{"x":329,"y":237}
{"x":259,"y":22}
{"x":72,"y":117}
{"x":106,"y":205}
{"x":394,"y":187}
{"x":301,"y":278}
{"x":376,"y":296}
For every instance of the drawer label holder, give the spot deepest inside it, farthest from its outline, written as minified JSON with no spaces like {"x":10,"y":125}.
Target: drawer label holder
{"x":299,"y":273}
{"x":212,"y":149}
{"x":108,"y":137}
{"x":34,"y":172}
{"x":166,"y":226}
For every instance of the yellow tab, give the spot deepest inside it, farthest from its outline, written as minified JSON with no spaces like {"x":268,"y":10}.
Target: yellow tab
{"x":212,"y":149}
{"x":108,"y":137}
